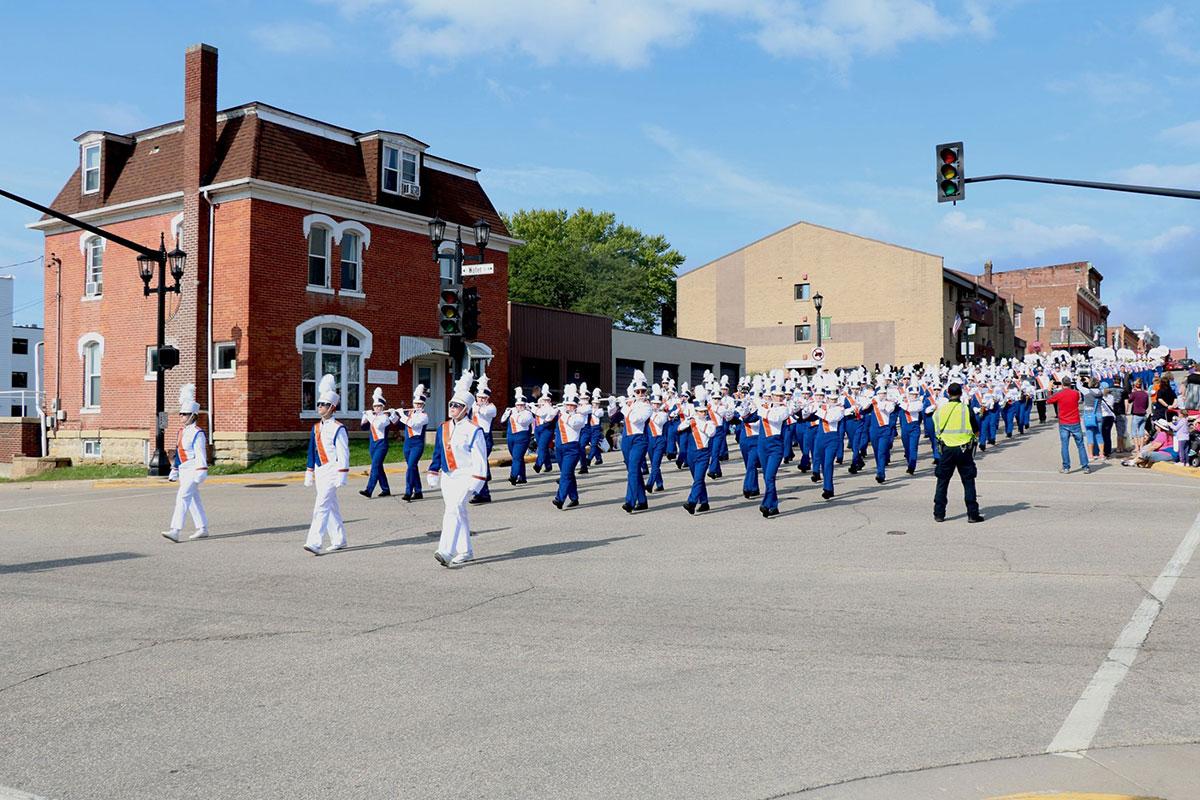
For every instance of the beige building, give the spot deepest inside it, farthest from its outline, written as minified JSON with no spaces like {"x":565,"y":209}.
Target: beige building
{"x":882,"y":303}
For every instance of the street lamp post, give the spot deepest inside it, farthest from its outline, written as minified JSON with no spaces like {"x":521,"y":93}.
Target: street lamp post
{"x":818,"y":301}
{"x":147,"y":258}
{"x":159,"y":463}
{"x":437,"y":236}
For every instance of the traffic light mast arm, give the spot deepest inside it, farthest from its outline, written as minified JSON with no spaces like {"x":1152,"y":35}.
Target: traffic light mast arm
{"x":1187,"y":194}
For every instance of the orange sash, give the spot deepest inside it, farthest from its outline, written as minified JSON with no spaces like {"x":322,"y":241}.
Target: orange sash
{"x":447,"y":450}
{"x":322,"y":456}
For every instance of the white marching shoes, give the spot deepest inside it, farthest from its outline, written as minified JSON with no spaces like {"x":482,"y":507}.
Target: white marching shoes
{"x":461,"y":558}
{"x":201,"y":533}
{"x":173,"y":535}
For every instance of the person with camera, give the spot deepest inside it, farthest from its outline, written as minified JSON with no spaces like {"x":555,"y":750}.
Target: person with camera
{"x":957,"y":429}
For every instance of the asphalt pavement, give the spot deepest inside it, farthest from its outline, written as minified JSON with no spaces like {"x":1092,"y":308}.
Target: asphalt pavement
{"x":844,"y":649}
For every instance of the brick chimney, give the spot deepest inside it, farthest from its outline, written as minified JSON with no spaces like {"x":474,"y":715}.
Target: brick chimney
{"x":987,"y":272}
{"x":188,"y":329}
{"x":199,"y":113}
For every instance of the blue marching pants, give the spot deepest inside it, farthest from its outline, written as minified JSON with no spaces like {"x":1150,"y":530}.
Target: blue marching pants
{"x":545,"y":436}
{"x":825,"y":450}
{"x":881,"y":444}
{"x":518,"y":445}
{"x":852,"y":428}
{"x":714,"y":455}
{"x":682,"y":439}
{"x":770,"y":455}
{"x":808,"y":437}
{"x":379,"y":452}
{"x":698,"y":460}
{"x":1010,"y":413}
{"x":414,"y":447}
{"x":658,"y":449}
{"x":568,"y":455}
{"x":633,"y":447}
{"x":749,"y":445}
{"x":910,"y":437}
{"x":595,"y":455}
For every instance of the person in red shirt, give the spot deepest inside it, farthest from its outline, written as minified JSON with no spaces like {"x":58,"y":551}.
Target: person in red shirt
{"x":1066,"y":402}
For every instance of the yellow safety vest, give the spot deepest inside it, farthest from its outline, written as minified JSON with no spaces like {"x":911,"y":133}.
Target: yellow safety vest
{"x":952,"y":422}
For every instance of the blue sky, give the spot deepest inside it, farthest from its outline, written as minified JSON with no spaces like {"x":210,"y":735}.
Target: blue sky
{"x":713,"y":122}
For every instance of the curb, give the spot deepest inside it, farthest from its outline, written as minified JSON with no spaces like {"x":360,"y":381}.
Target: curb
{"x":1182,"y":470}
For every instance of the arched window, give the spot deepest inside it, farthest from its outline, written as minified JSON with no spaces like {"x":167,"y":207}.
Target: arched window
{"x":335,"y":346}
{"x":351,"y":262}
{"x":91,"y":352}
{"x":446,"y":261}
{"x":93,"y":272}
{"x":318,"y":256}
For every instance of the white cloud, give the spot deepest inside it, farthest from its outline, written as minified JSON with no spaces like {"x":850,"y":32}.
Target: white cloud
{"x":539,"y":185}
{"x":293,"y":37}
{"x":1171,"y":32}
{"x":627,"y":33}
{"x":1177,"y":176}
{"x":1187,"y":134}
{"x":1107,"y":89}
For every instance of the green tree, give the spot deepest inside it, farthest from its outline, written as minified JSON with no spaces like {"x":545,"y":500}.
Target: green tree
{"x":587,"y":261}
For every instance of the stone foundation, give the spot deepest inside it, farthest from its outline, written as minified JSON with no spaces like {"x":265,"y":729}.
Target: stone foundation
{"x":116,"y":446}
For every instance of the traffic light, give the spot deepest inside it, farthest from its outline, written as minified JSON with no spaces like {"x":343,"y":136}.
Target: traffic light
{"x":470,"y":312}
{"x":450,"y":310}
{"x":951,"y":181}
{"x":167,"y":357}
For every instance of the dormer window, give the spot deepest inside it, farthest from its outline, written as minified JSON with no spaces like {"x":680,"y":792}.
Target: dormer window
{"x":400,"y":172}
{"x":91,"y":168}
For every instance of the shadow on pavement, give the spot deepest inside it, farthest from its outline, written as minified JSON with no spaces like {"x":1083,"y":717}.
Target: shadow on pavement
{"x":79,"y":561}
{"x":551,"y":549}
{"x":277,"y":529}
{"x":999,"y":511}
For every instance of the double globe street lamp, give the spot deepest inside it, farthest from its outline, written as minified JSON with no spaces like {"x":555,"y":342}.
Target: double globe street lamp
{"x":165,"y":358}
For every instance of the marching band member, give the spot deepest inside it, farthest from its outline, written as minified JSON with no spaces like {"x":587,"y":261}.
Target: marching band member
{"x":543,"y":431}
{"x":585,"y":435}
{"x":520,"y":425}
{"x":830,"y":412}
{"x":853,"y":422}
{"x":910,"y":425}
{"x":482,"y":416}
{"x":414,"y":423}
{"x":634,"y":444}
{"x":771,"y":419}
{"x":377,"y":421}
{"x":699,"y":424}
{"x":596,"y":423}
{"x":568,"y":425}
{"x":459,"y":468}
{"x":190,"y":468}
{"x":728,"y":407}
{"x":329,"y":469}
{"x":681,"y":437}
{"x":881,"y":432}
{"x":656,"y":429}
{"x":748,"y":440}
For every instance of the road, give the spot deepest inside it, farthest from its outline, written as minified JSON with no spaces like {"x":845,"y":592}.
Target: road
{"x":589,"y":653}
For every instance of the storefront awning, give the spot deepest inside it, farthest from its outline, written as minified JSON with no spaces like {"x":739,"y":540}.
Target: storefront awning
{"x":415,"y":347}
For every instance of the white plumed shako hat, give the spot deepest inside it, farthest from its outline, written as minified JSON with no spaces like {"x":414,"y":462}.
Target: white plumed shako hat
{"x":482,"y":387}
{"x":518,"y":396}
{"x":419,"y":395}
{"x":328,"y":390}
{"x":187,"y":399}
{"x":377,"y":398}
{"x":462,"y":389}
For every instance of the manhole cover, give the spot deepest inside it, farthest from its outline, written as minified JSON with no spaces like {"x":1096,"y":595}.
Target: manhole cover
{"x":896,"y":533}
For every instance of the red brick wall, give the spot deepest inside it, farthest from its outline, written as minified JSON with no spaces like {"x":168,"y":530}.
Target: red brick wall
{"x":401,"y":282}
{"x":123,"y":316}
{"x":19,"y":439}
{"x":1049,"y":288}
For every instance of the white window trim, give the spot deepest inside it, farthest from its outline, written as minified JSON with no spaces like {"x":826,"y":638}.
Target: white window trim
{"x":383,"y":168}
{"x":85,"y":242}
{"x":83,"y":168}
{"x":802,"y":299}
{"x":319,"y":290}
{"x":365,"y":345}
{"x":329,"y":233}
{"x":177,"y":230}
{"x":1061,"y":309}
{"x":364,"y":335}
{"x":346,"y":230}
{"x":87,"y":339}
{"x":150,"y":375}
{"x":224,"y":373}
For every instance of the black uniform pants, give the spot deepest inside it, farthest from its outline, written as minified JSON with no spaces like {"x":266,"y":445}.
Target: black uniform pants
{"x":961,"y":459}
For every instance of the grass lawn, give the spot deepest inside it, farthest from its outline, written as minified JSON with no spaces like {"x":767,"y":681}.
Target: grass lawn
{"x":293,"y":460}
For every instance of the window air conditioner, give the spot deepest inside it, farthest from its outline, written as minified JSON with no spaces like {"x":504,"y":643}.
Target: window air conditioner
{"x":91,"y":288}
{"x":410,"y":190}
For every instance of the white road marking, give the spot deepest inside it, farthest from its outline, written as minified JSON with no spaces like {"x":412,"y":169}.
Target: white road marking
{"x":73,"y":503}
{"x":1080,"y":727}
{"x":16,"y":794}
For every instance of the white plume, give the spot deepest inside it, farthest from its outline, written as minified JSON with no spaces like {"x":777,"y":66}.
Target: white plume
{"x":377,"y":397}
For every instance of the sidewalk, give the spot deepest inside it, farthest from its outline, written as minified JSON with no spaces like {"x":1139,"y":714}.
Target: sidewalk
{"x":1147,"y":772}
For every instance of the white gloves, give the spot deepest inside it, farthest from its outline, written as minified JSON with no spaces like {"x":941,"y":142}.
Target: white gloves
{"x":308,"y":478}
{"x":434,"y":478}
{"x":174,"y":476}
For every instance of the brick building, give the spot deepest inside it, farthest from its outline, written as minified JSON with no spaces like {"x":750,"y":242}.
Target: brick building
{"x":882,"y":303}
{"x":1061,"y":305}
{"x":308,"y":252}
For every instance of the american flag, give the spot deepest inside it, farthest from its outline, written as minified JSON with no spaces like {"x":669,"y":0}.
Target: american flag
{"x":957,"y":325}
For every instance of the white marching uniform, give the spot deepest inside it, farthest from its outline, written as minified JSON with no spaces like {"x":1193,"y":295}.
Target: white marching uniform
{"x":459,"y":467}
{"x":329,"y":469}
{"x":191,"y":468}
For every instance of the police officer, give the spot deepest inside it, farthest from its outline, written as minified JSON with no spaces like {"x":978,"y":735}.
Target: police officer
{"x":956,"y":427}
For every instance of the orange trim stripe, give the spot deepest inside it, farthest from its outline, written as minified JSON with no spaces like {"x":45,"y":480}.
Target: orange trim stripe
{"x":696,"y":435}
{"x":179,"y":449}
{"x":322,"y":456}
{"x":447,"y":450}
